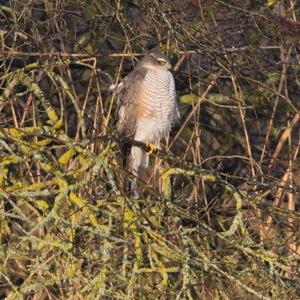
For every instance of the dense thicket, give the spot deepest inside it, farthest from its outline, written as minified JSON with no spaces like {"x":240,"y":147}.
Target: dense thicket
{"x":219,"y":216}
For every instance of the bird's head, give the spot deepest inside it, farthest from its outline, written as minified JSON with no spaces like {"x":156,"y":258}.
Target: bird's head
{"x":156,"y":61}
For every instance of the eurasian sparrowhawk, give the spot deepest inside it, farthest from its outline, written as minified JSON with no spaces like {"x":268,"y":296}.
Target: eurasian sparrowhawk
{"x":147,"y":105}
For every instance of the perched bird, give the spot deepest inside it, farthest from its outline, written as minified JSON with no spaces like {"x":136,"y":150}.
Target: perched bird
{"x":147,"y":106}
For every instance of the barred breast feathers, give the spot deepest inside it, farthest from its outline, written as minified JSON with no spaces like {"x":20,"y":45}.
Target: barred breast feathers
{"x":160,"y":103}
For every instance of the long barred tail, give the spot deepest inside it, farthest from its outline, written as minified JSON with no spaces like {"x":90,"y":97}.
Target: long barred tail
{"x":138,"y":158}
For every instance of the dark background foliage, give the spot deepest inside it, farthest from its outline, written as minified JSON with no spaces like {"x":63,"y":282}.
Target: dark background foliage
{"x":219,"y":216}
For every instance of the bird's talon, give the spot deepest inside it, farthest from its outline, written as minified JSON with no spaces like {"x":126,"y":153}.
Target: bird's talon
{"x":152,"y":148}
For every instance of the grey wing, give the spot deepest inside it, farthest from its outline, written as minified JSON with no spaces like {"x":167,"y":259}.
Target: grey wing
{"x":128,"y":92}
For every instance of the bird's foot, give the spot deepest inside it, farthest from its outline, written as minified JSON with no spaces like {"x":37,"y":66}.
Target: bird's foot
{"x":152,"y":148}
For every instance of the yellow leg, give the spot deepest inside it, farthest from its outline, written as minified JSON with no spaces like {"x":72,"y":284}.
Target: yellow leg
{"x":152,"y":148}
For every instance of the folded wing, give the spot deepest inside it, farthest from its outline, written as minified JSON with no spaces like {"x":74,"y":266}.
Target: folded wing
{"x":129,"y":91}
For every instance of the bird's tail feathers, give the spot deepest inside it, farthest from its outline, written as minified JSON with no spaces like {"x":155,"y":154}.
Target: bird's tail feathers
{"x":136,"y":158}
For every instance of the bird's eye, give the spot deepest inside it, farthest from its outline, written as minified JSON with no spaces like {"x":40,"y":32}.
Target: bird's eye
{"x":162,"y":62}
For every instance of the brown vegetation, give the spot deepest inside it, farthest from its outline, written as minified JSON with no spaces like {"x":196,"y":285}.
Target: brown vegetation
{"x":219,"y":221}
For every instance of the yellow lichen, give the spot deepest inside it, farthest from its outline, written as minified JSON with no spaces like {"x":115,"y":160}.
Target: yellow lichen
{"x":65,"y":158}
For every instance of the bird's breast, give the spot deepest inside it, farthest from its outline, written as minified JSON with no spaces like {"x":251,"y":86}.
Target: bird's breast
{"x":159,"y":100}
